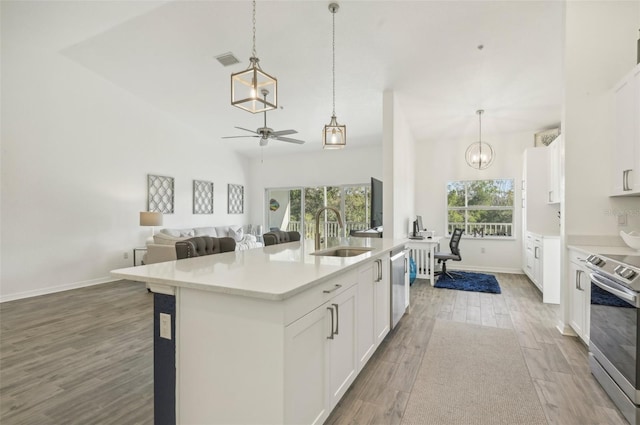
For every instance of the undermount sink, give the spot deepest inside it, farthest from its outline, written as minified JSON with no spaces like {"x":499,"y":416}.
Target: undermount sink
{"x":343,"y":251}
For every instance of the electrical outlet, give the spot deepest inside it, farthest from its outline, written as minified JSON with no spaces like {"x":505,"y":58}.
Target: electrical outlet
{"x":125,"y":255}
{"x":622,"y":219}
{"x":165,"y":326}
{"x":482,"y":251}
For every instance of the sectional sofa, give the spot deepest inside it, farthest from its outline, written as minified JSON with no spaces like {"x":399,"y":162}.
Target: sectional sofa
{"x":162,"y":247}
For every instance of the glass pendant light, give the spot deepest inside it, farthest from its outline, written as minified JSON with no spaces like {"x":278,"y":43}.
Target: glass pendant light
{"x":334,"y":135}
{"x":247,"y":85}
{"x":479,"y":155}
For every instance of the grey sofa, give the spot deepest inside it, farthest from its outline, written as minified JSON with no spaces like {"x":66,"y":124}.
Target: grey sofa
{"x":203,"y":245}
{"x":280,"y":236}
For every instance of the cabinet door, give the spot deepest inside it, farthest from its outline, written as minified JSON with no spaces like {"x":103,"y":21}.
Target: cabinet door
{"x":307,"y":367}
{"x":634,"y":178}
{"x":342,"y":359}
{"x":625,"y":117}
{"x":554,"y":172}
{"x":367,"y":276}
{"x":383,"y":301}
{"x":577,"y":279}
{"x":537,"y":264}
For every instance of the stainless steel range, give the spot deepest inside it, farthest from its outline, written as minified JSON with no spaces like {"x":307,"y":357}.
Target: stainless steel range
{"x":613,"y":339}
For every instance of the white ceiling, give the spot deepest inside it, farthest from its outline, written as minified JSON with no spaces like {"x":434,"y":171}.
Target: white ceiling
{"x":425,"y":51}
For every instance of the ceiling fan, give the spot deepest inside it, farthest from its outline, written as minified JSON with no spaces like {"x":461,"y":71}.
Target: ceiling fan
{"x":265,"y":133}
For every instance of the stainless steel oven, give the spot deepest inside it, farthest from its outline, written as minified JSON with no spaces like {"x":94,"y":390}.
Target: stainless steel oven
{"x":613,"y":338}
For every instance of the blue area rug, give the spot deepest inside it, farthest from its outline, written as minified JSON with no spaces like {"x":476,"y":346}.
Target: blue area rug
{"x":468,"y":281}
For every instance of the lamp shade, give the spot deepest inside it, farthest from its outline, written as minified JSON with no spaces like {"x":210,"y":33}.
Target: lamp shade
{"x":148,"y":218}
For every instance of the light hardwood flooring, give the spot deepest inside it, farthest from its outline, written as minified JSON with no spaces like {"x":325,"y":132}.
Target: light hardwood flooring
{"x":85,"y":356}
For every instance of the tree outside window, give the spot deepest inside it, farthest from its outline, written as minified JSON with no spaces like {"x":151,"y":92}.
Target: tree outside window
{"x":481,"y":207}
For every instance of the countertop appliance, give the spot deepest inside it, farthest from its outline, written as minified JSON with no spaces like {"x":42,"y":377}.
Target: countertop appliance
{"x":613,"y":340}
{"x":398,"y":281}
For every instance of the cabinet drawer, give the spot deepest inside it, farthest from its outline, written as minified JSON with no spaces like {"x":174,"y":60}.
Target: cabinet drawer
{"x":301,"y":304}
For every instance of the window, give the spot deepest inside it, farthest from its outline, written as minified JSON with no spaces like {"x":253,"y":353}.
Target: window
{"x":481,"y":207}
{"x":295,"y":208}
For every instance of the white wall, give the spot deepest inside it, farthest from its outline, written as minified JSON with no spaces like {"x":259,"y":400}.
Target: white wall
{"x":325,"y":167}
{"x":75,"y":154}
{"x":398,"y":169}
{"x":441,"y":161}
{"x":601,"y":45}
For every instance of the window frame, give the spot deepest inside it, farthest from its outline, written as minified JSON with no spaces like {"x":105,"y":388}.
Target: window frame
{"x":466,"y":208}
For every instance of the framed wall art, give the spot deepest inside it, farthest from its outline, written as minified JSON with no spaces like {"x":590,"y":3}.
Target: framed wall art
{"x":160,"y":194}
{"x":202,"y":197}
{"x":235,"y":196}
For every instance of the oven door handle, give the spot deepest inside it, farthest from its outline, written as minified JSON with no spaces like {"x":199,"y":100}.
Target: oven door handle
{"x":606,"y":284}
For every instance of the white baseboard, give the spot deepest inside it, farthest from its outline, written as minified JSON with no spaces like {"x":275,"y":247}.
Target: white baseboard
{"x":54,"y":289}
{"x":484,"y":269}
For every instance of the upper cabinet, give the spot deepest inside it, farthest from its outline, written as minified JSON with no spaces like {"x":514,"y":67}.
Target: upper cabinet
{"x":626,"y":145}
{"x":553,"y":153}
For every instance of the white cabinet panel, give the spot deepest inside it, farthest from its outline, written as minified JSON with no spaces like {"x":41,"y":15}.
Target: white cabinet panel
{"x":307,"y":360}
{"x":342,"y":362}
{"x":383,"y":301}
{"x":626,"y":141}
{"x":580,"y":300}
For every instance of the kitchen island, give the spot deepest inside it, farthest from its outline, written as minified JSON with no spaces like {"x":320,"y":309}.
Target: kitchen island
{"x":268,"y":335}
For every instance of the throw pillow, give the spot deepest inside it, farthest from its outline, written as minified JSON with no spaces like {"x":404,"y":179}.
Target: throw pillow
{"x":236,"y":234}
{"x":187,"y":233}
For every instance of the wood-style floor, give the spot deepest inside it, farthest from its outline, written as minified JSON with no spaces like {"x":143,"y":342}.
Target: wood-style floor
{"x":85,"y":356}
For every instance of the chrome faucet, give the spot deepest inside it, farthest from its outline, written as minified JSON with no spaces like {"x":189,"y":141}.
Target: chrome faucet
{"x":318,"y":223}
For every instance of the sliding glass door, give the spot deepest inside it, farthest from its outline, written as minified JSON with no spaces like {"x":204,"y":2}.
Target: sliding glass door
{"x":296,"y":209}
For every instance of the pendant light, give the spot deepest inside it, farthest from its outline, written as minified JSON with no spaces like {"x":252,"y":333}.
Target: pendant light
{"x":334,"y":135}
{"x":479,"y":155}
{"x":247,"y":85}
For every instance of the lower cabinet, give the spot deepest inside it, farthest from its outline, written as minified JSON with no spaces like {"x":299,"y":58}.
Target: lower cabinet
{"x":542,"y":265}
{"x":580,"y":298}
{"x":374,"y":308}
{"x":326,"y":348}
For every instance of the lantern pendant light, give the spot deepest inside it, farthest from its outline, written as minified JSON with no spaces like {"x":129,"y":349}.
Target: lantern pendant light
{"x":247,"y":85}
{"x":479,"y":155}
{"x":334,"y":135}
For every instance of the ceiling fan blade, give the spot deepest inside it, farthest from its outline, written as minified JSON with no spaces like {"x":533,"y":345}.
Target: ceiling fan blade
{"x":246,"y":129}
{"x":283,"y":132}
{"x":236,"y":137}
{"x":290,"y":140}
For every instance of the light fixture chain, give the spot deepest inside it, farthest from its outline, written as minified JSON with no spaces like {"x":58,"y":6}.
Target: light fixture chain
{"x":253,"y":52}
{"x":333,"y":46}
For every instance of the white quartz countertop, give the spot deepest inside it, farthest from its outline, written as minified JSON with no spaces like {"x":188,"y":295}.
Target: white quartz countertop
{"x":604,"y":250}
{"x":273,"y":272}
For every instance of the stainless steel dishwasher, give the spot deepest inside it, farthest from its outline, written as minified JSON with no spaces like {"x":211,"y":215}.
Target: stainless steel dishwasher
{"x":398,"y":290}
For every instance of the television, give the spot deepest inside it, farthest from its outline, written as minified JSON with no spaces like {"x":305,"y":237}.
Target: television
{"x":376,"y":203}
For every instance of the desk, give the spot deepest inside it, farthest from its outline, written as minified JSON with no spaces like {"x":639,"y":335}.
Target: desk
{"x":422,"y":251}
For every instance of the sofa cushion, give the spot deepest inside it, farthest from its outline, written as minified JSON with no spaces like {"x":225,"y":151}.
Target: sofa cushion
{"x":205,"y":231}
{"x":236,"y":233}
{"x":222,"y":231}
{"x":165,"y":239}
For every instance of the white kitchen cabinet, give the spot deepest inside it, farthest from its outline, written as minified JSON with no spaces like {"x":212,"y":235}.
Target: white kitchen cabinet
{"x":543,"y":265}
{"x":580,"y":298}
{"x":538,"y":215}
{"x":343,"y":365}
{"x":626,"y":138}
{"x":553,"y":158}
{"x":374,"y":311}
{"x":320,"y":351}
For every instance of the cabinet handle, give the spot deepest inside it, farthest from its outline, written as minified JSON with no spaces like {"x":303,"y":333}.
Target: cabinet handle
{"x":335,"y":288}
{"x":380,"y":275}
{"x":625,"y":180}
{"x":337,"y":318}
{"x":578,"y":280}
{"x":550,"y":197}
{"x":535,"y":252}
{"x":379,"y":267}
{"x":331,"y":310}
{"x":405,"y":265}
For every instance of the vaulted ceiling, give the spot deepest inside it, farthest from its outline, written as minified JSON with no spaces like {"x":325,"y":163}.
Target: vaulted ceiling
{"x":425,"y":51}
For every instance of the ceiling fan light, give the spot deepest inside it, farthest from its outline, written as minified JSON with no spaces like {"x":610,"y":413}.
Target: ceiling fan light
{"x":247,"y":85}
{"x":334,"y":135}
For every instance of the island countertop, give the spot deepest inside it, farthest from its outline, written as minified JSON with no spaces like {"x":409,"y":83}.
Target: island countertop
{"x":275,"y":272}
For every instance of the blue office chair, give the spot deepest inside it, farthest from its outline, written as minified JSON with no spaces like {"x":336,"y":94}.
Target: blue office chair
{"x":454,"y":255}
